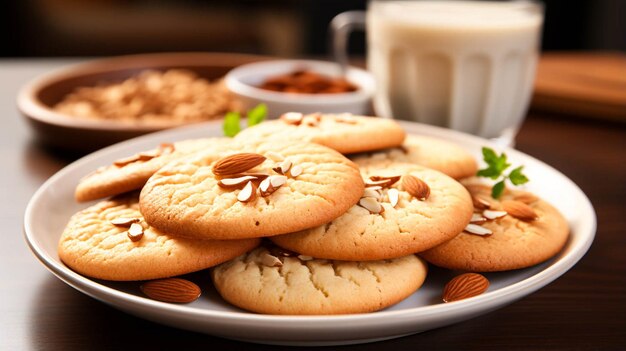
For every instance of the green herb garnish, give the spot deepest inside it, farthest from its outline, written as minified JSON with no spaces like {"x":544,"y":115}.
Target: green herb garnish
{"x":232,"y":120}
{"x":496,"y":165}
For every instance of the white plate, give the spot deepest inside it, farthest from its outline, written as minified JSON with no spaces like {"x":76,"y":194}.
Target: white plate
{"x":53,"y":204}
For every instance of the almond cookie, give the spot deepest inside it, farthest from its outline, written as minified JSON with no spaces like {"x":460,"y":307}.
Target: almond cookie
{"x":405,"y":209}
{"x":437,"y":154}
{"x":261,"y":282}
{"x":111,"y":241}
{"x":343,"y":132}
{"x":132,"y":172}
{"x":251,"y":190}
{"x":516,"y":231}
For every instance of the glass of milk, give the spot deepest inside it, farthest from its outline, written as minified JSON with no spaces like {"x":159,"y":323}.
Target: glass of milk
{"x":465,"y":65}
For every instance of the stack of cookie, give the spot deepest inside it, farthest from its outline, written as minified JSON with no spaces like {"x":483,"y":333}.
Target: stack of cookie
{"x":341,"y":234}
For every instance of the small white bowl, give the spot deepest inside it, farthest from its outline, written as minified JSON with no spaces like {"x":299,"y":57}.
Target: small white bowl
{"x":244,"y":80}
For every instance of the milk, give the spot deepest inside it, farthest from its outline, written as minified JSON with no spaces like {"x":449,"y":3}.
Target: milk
{"x":464,"y":65}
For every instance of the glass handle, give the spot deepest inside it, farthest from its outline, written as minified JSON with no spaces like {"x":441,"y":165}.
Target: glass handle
{"x":340,"y":27}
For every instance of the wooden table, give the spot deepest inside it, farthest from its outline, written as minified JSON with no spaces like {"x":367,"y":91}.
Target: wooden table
{"x":584,"y":309}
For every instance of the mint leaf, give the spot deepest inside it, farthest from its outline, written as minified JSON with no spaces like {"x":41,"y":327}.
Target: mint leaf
{"x":497,"y":189}
{"x":231,"y":124}
{"x":517,"y":177}
{"x":257,"y":115}
{"x":489,"y":172}
{"x":489,"y":155}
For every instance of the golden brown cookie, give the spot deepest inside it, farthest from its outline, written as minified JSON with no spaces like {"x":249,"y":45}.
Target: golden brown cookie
{"x":261,"y":282}
{"x":132,"y":172}
{"x":197,"y":196}
{"x":415,"y":217}
{"x":517,"y":240}
{"x":94,"y":246}
{"x":342,"y":132}
{"x":438,"y":154}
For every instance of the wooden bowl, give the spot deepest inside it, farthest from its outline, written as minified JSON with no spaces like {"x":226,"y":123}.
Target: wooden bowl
{"x":36,"y":98}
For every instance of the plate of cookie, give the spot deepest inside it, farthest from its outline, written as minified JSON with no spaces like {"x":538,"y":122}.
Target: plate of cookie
{"x":318,"y":229}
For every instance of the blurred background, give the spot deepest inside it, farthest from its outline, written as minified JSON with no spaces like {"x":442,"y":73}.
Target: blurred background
{"x":294,"y":28}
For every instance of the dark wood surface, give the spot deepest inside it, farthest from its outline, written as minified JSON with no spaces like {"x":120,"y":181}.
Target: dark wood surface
{"x":584,"y":309}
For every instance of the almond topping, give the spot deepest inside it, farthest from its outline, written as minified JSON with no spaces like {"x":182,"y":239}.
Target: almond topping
{"x":310,"y":121}
{"x":166,"y":148}
{"x":237,"y":163}
{"x":124,"y":221}
{"x":275,"y":156}
{"x":393,"y":196}
{"x":465,"y":286}
{"x":370,"y":204}
{"x":416,"y":187}
{"x":369,"y":192}
{"x":478,"y":218}
{"x":477,"y":230}
{"x":277,"y":180}
{"x":174,"y":290}
{"x":294,"y":118}
{"x":265,"y":185}
{"x":519,"y":210}
{"x":248,"y":193}
{"x":295,"y":171}
{"x":390,"y":180}
{"x":148,"y":155}
{"x":494,"y":214}
{"x":271,"y":261}
{"x":135,"y":232}
{"x":126,"y":160}
{"x":480,"y":203}
{"x":379,"y":183}
{"x":305,"y":258}
{"x":235,"y":183}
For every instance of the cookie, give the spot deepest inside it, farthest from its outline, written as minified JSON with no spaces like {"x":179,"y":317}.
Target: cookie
{"x":414,"y":224}
{"x":343,"y":132}
{"x":263,"y":283}
{"x":437,"y":154}
{"x":131,"y":173}
{"x":517,"y":241}
{"x":196,"y":197}
{"x":93,"y":246}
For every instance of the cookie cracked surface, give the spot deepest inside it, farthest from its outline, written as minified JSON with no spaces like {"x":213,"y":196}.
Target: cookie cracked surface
{"x":316,"y":286}
{"x":411,"y":226}
{"x":342,"y":132}
{"x":93,"y":246}
{"x":184,"y":198}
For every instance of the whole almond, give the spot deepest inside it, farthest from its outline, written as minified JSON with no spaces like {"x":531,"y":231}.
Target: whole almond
{"x":464,"y":286}
{"x":237,"y":163}
{"x":174,"y":290}
{"x":519,"y":210}
{"x":416,"y":187}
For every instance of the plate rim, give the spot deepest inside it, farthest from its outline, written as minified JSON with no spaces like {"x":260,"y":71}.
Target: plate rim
{"x":483,"y":302}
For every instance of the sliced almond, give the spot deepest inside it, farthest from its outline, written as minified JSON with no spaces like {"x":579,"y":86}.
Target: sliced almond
{"x":148,"y":155}
{"x":237,"y":163}
{"x":480,"y":203}
{"x":235,"y":183}
{"x":465,"y":286}
{"x":489,"y":214}
{"x":310,"y":121}
{"x":384,"y":183}
{"x":304,"y":258}
{"x":390,"y":180}
{"x":266,"y":188}
{"x":519,"y":210}
{"x":135,"y":232}
{"x":477,"y":230}
{"x":271,"y":261}
{"x":370,"y":204}
{"x":294,"y":118}
{"x":416,"y":187}
{"x":124,"y":221}
{"x":277,"y":180}
{"x":393,"y":196}
{"x":369,"y":192}
{"x":248,"y":193}
{"x":478,"y":218}
{"x":295,"y":171}
{"x":174,"y":290}
{"x":126,"y":160}
{"x":274,"y":156}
